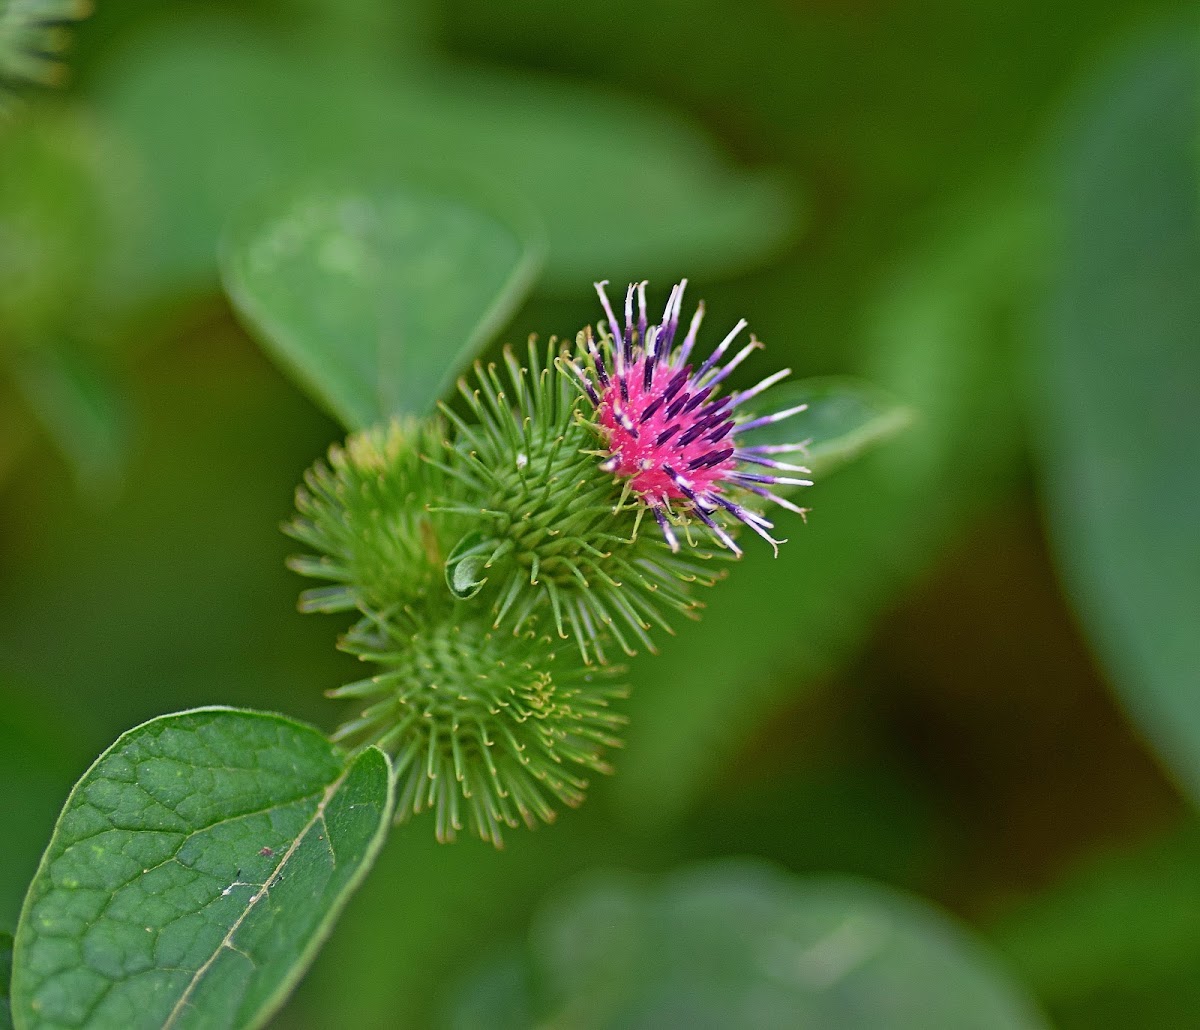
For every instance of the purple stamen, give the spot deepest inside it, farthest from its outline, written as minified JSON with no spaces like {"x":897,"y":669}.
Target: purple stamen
{"x":709,"y":460}
{"x":720,"y":432}
{"x":651,"y":356}
{"x":754,"y":477}
{"x":614,"y":327}
{"x":670,"y":319}
{"x":712,"y":414}
{"x":691,"y":434}
{"x":667,"y":531}
{"x":650,"y":409}
{"x":597,"y":360}
{"x":747,"y":518}
{"x":666,"y":435}
{"x":775,"y":448}
{"x":690,"y":340}
{"x":720,"y":533}
{"x":722,"y":406}
{"x":766,"y":384}
{"x":676,"y":382}
{"x":675,"y":408}
{"x":736,"y":360}
{"x":743,"y":514}
{"x":642,"y":312}
{"x":587,"y":383}
{"x":754,"y":459}
{"x":767,"y":420}
{"x":697,"y":399}
{"x":701,"y":427}
{"x":628,"y":336}
{"x":722,"y":347}
{"x":783,"y":502}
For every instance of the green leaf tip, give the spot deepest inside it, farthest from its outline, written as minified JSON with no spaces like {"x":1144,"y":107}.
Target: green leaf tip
{"x":194,"y":871}
{"x":374,"y":298}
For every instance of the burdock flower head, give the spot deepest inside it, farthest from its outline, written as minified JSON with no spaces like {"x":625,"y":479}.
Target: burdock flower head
{"x":496,"y":559}
{"x":670,"y":434}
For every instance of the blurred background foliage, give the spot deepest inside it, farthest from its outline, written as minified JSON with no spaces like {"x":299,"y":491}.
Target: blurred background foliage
{"x":974,"y":675}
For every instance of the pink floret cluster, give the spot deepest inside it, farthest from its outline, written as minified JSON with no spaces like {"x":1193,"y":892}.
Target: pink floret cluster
{"x":670,"y":432}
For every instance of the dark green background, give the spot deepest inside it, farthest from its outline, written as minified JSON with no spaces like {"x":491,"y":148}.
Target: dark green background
{"x":972,"y":675}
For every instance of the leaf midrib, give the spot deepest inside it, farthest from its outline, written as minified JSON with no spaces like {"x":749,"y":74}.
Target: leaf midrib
{"x":227,"y":941}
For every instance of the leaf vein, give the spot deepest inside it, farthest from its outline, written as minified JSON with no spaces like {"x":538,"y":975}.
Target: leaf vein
{"x":227,"y":942}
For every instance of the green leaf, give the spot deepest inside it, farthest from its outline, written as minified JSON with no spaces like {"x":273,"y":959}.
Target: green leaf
{"x":6,"y":953}
{"x":194,"y":872}
{"x":81,"y":410}
{"x":1118,"y":387}
{"x":220,"y":117}
{"x":737,"y":944}
{"x":843,"y":418}
{"x":375,"y":299}
{"x":627,"y":190}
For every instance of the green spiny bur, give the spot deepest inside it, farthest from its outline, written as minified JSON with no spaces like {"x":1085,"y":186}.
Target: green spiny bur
{"x":488,"y":728}
{"x":483,"y":725}
{"x":553,"y":533}
{"x":365,"y":512}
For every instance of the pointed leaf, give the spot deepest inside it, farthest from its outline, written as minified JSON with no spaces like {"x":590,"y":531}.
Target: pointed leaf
{"x":194,"y":872}
{"x":375,"y":299}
